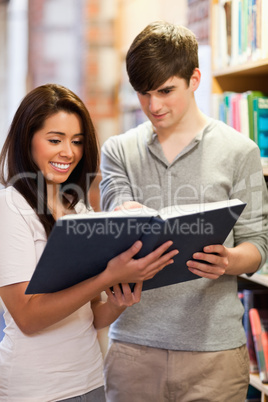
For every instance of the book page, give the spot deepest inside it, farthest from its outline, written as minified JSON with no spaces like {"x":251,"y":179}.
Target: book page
{"x":189,"y":209}
{"x":122,"y":213}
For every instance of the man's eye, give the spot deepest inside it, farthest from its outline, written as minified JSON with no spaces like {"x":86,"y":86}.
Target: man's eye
{"x":166,"y":91}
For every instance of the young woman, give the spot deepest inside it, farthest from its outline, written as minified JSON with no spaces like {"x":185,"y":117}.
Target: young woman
{"x":50,"y":350}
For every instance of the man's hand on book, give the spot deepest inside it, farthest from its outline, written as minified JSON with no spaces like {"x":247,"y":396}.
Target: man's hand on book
{"x":125,"y":269}
{"x":129,"y":205}
{"x":122,"y":296}
{"x":211,"y":264}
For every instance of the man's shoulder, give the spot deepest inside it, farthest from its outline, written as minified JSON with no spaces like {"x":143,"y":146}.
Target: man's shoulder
{"x":141,"y":133}
{"x":230,"y":136}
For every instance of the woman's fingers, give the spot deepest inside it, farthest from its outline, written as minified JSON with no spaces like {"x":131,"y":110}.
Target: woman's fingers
{"x":122,"y":296}
{"x":127,"y":269}
{"x":156,"y":269}
{"x":159,"y":251}
{"x":158,"y":258}
{"x":133,"y":250}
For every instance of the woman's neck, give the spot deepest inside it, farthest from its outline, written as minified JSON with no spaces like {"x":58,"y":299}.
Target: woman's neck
{"x":56,"y":202}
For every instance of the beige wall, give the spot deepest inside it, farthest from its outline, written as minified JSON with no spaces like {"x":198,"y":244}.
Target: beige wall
{"x":136,"y":14}
{"x":3,"y":75}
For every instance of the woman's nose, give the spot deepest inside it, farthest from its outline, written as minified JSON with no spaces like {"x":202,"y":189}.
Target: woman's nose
{"x":66,"y":150}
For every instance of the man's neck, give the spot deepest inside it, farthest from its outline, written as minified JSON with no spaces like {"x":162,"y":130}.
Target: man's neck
{"x":174,"y":140}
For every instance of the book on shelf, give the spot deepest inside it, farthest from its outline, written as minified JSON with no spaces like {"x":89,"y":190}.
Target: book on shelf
{"x":236,"y":110}
{"x":259,"y":329}
{"x":247,"y":112}
{"x":260,"y":119}
{"x":264,"y":29}
{"x":253,"y":394}
{"x":254,"y":298}
{"x":264,"y":268}
{"x":244,"y":114}
{"x":228,"y":29}
{"x":80,"y":246}
{"x":251,"y":95}
{"x":241,"y":30}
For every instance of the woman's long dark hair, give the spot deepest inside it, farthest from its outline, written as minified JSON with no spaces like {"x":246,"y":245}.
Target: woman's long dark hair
{"x":17,"y":167}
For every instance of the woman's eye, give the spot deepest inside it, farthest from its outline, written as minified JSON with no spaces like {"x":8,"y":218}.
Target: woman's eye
{"x":78,"y":142}
{"x":54,"y":141}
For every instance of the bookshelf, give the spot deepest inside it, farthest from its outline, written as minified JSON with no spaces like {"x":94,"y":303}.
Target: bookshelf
{"x":254,"y":378}
{"x":257,"y":278}
{"x":252,"y":75}
{"x":256,"y":383}
{"x":238,"y":66}
{"x":247,"y":70}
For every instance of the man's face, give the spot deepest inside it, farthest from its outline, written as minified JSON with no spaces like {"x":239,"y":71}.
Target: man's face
{"x":167,"y":105}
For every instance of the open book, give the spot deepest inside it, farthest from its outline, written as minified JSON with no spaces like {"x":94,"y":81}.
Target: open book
{"x":80,"y":246}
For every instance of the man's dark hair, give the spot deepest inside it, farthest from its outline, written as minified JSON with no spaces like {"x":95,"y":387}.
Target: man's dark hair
{"x":161,"y":51}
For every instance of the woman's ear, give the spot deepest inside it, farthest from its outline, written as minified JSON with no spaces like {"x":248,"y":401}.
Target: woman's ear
{"x":195,"y":79}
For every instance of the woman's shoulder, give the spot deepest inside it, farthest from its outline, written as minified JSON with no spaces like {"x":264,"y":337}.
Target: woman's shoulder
{"x":12,"y":203}
{"x":12,"y":197}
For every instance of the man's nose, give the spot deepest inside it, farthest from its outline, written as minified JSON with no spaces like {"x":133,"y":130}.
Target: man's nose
{"x":155,"y":104}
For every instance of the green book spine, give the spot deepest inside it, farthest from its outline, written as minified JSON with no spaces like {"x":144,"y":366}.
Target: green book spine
{"x":251,"y":95}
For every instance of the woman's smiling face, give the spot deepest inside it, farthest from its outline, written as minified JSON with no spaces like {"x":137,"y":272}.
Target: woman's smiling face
{"x":57,"y":147}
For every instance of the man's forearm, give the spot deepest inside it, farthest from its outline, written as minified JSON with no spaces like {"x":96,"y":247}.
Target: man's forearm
{"x":243,"y":259}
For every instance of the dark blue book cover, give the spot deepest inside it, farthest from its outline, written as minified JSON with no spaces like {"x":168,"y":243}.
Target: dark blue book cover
{"x":79,"y":247}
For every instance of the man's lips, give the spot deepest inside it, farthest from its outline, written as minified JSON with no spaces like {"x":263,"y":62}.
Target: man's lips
{"x":159,"y":116}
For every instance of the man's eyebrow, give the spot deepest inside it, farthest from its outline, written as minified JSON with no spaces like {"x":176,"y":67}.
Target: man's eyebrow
{"x":166,"y":88}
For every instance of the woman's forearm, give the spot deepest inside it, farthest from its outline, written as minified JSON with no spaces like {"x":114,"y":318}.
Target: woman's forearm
{"x":33,"y":313}
{"x":105,"y":313}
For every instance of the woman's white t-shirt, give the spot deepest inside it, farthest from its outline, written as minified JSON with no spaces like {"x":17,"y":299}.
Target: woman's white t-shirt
{"x":57,"y":363}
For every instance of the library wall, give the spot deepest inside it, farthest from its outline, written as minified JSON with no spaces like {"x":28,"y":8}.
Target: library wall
{"x":3,"y":68}
{"x":198,"y":19}
{"x":133,"y":16}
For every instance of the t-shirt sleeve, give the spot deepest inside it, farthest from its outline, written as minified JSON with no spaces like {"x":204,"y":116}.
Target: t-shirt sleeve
{"x":115,"y":187}
{"x":251,"y":188}
{"x":17,"y":246}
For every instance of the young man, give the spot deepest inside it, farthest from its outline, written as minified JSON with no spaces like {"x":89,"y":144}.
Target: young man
{"x":183,"y":342}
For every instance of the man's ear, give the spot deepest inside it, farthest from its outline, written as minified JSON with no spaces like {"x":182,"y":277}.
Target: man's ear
{"x":195,"y":79}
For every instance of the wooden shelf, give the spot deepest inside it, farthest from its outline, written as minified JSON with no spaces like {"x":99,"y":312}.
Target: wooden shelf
{"x":259,"y":67}
{"x":257,"y":278}
{"x":242,"y":77}
{"x":256,"y":383}
{"x":255,"y":378}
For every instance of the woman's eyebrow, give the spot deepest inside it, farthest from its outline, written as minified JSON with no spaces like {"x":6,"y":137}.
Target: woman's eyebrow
{"x":61,"y":133}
